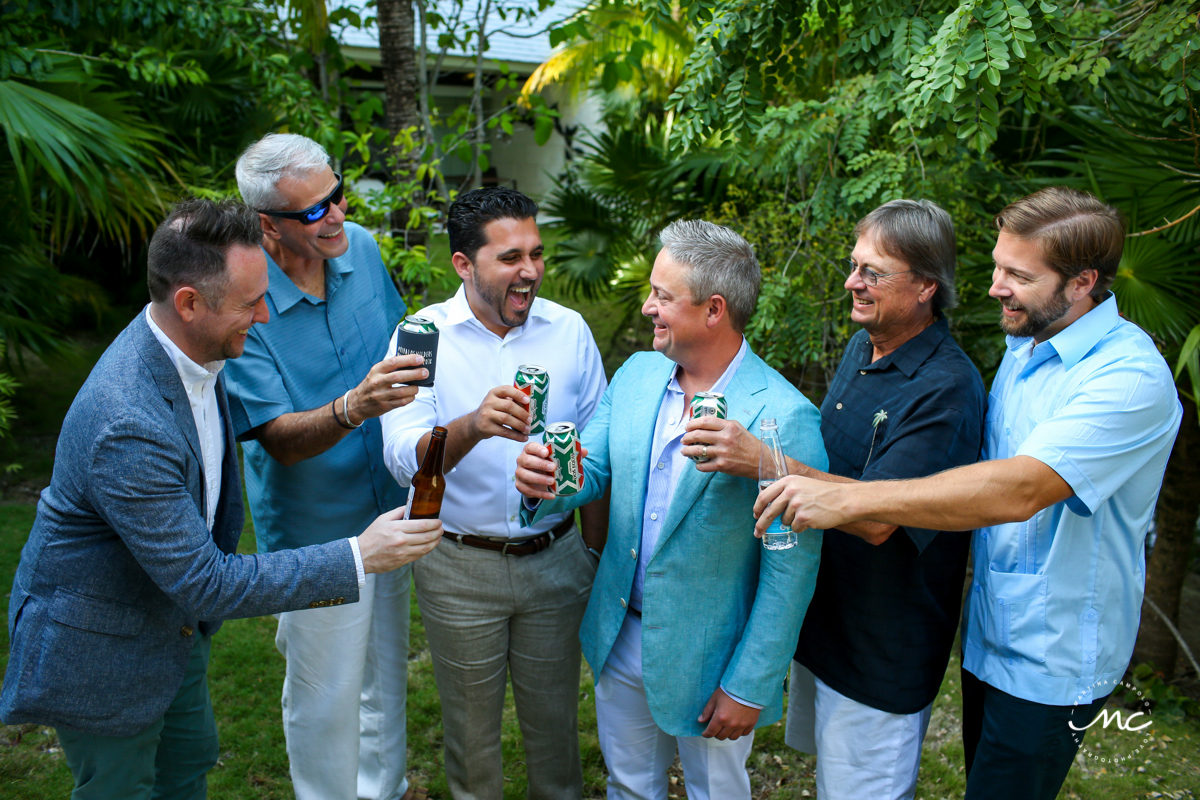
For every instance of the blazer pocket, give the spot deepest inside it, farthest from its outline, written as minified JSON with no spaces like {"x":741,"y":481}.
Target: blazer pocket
{"x":95,"y":615}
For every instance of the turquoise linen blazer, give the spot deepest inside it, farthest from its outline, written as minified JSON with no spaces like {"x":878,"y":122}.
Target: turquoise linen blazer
{"x":717,"y":609}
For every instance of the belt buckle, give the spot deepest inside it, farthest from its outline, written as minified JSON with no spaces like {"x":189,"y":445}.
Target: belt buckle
{"x":504,"y":549}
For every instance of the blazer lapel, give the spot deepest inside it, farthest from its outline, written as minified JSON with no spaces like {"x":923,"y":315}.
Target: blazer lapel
{"x":640,"y":413}
{"x":169,"y":383}
{"x":744,"y":399}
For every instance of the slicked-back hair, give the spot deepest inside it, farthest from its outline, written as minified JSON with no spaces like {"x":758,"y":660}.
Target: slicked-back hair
{"x":263,"y":164}
{"x":1075,"y":230}
{"x":472,"y":211}
{"x":191,"y":245}
{"x":921,"y":234}
{"x":720,"y":262}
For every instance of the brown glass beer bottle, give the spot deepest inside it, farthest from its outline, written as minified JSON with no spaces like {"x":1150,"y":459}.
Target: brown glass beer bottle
{"x":429,"y":484}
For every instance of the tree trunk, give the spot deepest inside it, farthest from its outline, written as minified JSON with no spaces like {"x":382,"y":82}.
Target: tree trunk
{"x":1168,"y":563}
{"x":398,"y":51}
{"x":397,"y":48}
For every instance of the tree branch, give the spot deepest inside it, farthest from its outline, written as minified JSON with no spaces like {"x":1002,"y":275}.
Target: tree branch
{"x":1163,"y":228}
{"x":1175,"y":631}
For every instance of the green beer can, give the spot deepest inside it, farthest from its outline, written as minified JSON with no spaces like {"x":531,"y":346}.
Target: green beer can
{"x":708,"y":404}
{"x":567,"y":454}
{"x":534,"y":381}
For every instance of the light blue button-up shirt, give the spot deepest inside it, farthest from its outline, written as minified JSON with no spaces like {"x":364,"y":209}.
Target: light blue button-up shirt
{"x":309,"y":353}
{"x":1054,"y":608}
{"x":667,"y":463}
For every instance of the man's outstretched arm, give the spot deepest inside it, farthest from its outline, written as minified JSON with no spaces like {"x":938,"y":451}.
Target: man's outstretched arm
{"x":974,"y":496}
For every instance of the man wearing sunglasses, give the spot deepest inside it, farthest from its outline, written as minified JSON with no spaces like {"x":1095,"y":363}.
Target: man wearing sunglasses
{"x":305,"y":402}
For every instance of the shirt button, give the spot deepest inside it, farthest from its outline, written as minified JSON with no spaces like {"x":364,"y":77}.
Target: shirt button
{"x":633,"y":554}
{"x":654,"y":516}
{"x":1008,"y":431}
{"x":839,"y":406}
{"x":513,"y":518}
{"x":187,"y":630}
{"x":342,"y":351}
{"x":862,"y":372}
{"x":514,"y":478}
{"x":661,"y":465}
{"x":623,"y":603}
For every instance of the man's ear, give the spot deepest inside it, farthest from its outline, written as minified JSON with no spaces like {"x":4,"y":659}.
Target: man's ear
{"x":1082,"y":284}
{"x":270,"y":226}
{"x":928,"y":290}
{"x":188,"y":303}
{"x":462,"y":265}
{"x":718,"y":309}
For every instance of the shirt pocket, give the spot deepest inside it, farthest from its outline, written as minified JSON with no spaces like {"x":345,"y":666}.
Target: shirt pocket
{"x":1014,"y":612}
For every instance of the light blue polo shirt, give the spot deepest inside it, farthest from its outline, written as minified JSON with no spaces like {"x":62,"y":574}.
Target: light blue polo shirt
{"x":310,"y":352}
{"x":1054,"y":608}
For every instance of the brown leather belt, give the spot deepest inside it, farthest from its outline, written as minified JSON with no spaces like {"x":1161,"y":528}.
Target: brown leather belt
{"x":524,"y":547}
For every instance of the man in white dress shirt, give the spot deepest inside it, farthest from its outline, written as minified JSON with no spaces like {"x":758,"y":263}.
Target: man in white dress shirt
{"x":496,"y":596}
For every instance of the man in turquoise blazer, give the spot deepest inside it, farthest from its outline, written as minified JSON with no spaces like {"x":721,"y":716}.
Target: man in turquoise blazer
{"x":691,"y":623}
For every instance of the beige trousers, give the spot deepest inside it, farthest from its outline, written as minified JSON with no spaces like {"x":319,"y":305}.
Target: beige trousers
{"x":487,"y":615}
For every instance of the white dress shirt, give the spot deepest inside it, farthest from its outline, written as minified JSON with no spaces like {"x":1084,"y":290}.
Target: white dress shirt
{"x":481,"y":496}
{"x":200,"y":383}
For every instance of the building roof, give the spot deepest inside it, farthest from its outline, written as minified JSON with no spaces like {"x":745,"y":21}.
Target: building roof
{"x":524,"y":42}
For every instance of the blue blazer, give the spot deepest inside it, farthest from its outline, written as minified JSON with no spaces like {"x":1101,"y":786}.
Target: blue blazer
{"x":717,"y":609}
{"x":120,"y":570}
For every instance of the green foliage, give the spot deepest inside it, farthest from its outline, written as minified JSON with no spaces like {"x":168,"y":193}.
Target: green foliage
{"x":409,"y":266}
{"x":615,"y":200}
{"x":8,"y":387}
{"x":1166,"y":699}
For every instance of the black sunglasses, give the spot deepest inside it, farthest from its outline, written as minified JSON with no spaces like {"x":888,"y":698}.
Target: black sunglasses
{"x":314,"y":213}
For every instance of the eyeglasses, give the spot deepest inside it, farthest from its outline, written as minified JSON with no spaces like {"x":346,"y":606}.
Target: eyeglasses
{"x":314,"y":213}
{"x":870,"y":276}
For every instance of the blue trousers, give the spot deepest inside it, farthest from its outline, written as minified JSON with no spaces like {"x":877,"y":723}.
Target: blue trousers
{"x":169,"y":760}
{"x":1017,"y":748}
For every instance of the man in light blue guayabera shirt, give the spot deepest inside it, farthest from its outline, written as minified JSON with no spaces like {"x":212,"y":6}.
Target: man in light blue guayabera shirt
{"x":691,"y":623}
{"x":1081,"y":420}
{"x":132,"y":561}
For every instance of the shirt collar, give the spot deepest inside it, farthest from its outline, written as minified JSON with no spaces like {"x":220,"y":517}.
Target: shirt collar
{"x":913,"y":353}
{"x":458,"y":311}
{"x":284,"y":292}
{"x":189,"y":371}
{"x":1077,"y":339}
{"x":723,"y":381}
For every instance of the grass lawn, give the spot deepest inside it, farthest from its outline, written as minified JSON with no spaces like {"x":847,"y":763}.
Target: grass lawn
{"x":246,"y":675}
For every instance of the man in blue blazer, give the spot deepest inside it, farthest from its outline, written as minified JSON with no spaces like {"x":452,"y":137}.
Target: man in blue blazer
{"x":131,"y":565}
{"x":691,"y":623}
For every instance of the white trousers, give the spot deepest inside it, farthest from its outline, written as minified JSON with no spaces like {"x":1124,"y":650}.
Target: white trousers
{"x":344,"y":693}
{"x":638,"y":753}
{"x":861,"y":751}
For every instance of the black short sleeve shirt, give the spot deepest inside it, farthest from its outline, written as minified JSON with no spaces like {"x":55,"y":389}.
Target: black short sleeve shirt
{"x":883,"y":617}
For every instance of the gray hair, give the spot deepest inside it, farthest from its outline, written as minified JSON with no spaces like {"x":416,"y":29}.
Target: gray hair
{"x":921,"y":234}
{"x":720,"y":262}
{"x":269,"y":160}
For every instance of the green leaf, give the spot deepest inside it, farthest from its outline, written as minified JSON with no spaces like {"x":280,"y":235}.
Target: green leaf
{"x":542,"y":128}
